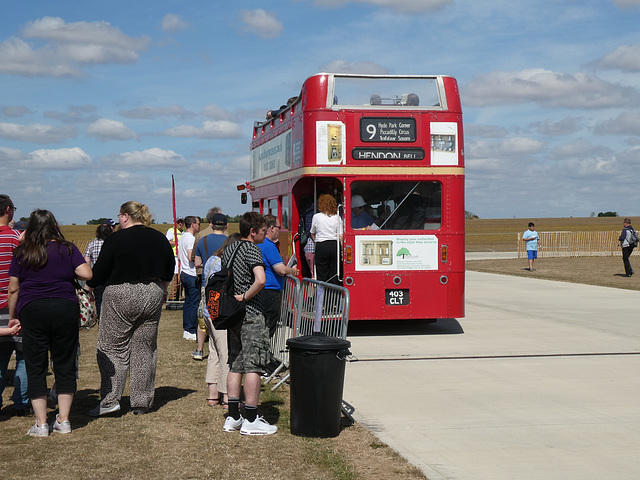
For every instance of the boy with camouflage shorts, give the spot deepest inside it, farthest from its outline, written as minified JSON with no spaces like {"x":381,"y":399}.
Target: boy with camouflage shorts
{"x":249,"y":341}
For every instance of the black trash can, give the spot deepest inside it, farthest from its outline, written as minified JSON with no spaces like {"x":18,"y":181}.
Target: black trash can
{"x":316,"y":365}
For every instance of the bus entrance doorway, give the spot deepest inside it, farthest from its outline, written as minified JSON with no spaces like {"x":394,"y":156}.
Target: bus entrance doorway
{"x":305,"y":195}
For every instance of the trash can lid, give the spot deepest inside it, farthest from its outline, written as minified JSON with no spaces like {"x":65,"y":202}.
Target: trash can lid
{"x":318,"y":342}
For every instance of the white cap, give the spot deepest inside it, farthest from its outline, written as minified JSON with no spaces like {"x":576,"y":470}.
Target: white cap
{"x":357,"y":201}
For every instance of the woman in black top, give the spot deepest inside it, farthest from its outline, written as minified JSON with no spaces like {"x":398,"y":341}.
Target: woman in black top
{"x":136,"y":266}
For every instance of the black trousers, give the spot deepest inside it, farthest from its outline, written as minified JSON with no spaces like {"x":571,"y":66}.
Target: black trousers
{"x":626,"y":253}
{"x":50,"y":325}
{"x":271,"y":305}
{"x":327,"y":262}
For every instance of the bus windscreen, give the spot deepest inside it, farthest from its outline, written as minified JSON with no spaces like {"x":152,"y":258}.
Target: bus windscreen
{"x":385,"y":92}
{"x":401,"y":205}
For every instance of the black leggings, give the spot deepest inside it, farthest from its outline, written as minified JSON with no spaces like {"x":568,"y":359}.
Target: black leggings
{"x":50,"y":324}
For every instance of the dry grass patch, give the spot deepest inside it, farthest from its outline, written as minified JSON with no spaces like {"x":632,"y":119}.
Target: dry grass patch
{"x":501,"y":235}
{"x":603,"y":271}
{"x":182,"y":437}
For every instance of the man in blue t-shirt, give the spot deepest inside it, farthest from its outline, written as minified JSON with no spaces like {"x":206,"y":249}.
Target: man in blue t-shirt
{"x":530,"y":237}
{"x":212,"y":242}
{"x":275,"y":271}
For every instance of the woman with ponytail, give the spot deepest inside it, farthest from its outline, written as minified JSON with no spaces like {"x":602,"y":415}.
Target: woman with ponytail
{"x":136,"y":266}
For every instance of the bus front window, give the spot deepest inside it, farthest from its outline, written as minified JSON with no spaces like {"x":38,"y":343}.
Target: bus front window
{"x":381,"y":92}
{"x":411,"y":205}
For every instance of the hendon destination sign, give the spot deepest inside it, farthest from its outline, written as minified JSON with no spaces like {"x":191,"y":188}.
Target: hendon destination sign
{"x":388,"y":153}
{"x":387,"y":129}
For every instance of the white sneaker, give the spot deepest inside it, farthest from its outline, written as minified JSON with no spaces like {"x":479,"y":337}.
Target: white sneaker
{"x":259,"y":427}
{"x":64,"y":427}
{"x":232,"y":425}
{"x":189,"y":336}
{"x":99,"y":411}
{"x":38,"y":430}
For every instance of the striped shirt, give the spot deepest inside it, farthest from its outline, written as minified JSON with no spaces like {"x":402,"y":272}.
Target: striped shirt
{"x":8,"y":241}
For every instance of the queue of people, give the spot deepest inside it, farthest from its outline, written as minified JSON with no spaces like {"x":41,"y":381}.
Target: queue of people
{"x":134,"y":265}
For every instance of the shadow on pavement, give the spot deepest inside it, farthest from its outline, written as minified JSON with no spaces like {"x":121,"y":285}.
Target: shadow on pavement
{"x":443,"y":326}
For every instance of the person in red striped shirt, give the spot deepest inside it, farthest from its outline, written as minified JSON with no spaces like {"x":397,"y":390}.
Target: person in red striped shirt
{"x":10,"y":334}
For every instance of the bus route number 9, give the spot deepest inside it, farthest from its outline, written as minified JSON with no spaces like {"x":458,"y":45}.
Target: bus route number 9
{"x":397,"y":296}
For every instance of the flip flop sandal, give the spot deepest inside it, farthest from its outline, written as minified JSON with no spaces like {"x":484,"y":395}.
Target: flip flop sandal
{"x":213,"y":402}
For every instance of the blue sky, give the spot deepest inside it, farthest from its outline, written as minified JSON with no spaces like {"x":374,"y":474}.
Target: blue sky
{"x":101,"y":102}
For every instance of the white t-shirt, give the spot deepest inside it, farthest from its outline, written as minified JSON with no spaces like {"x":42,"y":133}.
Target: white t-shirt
{"x":326,"y":227}
{"x":185,"y":243}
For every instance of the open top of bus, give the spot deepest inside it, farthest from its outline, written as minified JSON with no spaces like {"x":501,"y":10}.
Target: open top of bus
{"x":337,"y":91}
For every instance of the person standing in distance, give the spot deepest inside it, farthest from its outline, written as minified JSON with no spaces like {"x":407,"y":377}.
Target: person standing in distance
{"x":532,"y":241}
{"x":627,"y":247}
{"x":188,"y":277}
{"x":171,"y":236}
{"x":249,"y":341}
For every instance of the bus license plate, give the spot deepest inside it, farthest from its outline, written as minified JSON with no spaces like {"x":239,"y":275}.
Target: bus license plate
{"x":397,"y":297}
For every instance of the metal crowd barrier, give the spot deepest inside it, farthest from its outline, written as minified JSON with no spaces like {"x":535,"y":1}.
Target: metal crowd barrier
{"x":325,"y":309}
{"x":308,"y":307}
{"x":285,"y":328}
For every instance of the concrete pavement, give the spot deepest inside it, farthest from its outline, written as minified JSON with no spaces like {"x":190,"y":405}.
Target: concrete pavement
{"x":540,"y":380}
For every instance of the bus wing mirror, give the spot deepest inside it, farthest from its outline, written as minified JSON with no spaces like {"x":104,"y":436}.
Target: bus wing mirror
{"x":243,"y":198}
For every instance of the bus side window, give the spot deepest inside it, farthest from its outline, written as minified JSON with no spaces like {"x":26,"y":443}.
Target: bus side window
{"x":285,"y":211}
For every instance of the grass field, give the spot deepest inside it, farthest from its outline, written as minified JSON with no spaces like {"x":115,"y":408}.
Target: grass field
{"x":482,"y":235}
{"x":182,"y":437}
{"x":501,"y":235}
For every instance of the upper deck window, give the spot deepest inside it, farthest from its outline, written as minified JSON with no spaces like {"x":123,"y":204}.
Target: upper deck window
{"x":385,"y":92}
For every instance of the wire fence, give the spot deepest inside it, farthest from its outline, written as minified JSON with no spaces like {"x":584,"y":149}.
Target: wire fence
{"x":574,"y":244}
{"x":308,"y":307}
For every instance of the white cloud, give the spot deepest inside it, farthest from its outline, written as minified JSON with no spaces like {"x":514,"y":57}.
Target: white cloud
{"x":344,"y":66}
{"x":75,"y":114}
{"x":105,"y":129}
{"x":627,"y":123}
{"x":487,"y":131}
{"x":9,"y":156}
{"x":625,"y":58}
{"x":36,"y":132}
{"x":506,"y":148}
{"x":401,"y":6}
{"x":67,"y":44}
{"x":261,"y":23}
{"x":215,"y":112}
{"x":62,"y":158}
{"x":149,"y":112}
{"x":579,"y":149}
{"x":173,"y":23}
{"x":15,"y":111}
{"x":210,"y":129}
{"x":547,"y":88}
{"x":18,"y":58}
{"x":150,"y":158}
{"x":564,"y":126}
{"x":627,"y":3}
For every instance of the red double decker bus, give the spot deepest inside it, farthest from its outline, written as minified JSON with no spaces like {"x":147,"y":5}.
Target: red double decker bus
{"x":394,"y":143}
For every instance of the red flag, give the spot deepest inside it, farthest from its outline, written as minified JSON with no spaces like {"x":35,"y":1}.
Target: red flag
{"x":175,"y":218}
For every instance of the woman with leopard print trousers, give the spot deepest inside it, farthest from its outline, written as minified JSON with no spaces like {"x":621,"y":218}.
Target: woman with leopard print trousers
{"x":136,"y":266}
